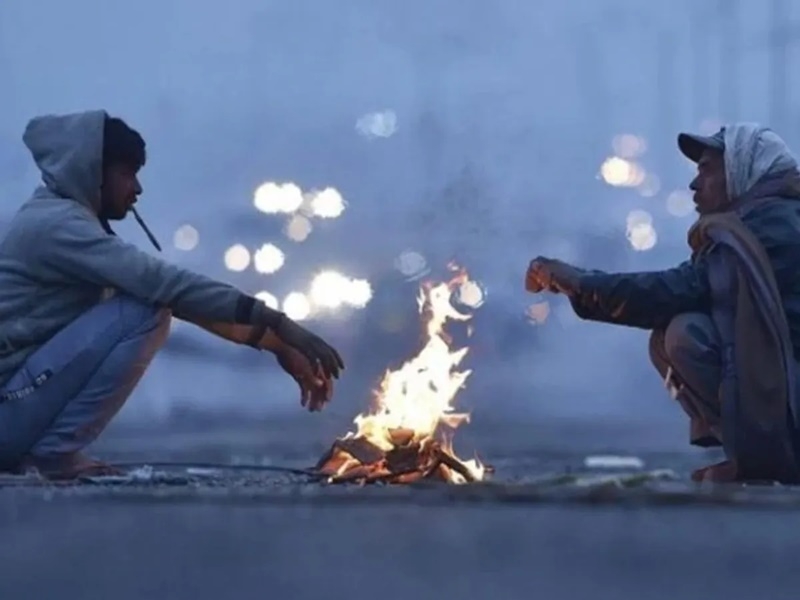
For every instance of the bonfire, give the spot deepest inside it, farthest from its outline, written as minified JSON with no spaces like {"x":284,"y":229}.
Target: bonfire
{"x":407,"y":435}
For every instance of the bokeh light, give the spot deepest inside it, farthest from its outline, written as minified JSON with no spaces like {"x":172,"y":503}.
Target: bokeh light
{"x":268,"y":259}
{"x":297,"y":306}
{"x":331,"y":289}
{"x":471,"y":294}
{"x":268,"y":299}
{"x":237,"y":258}
{"x":640,"y":231}
{"x":327,"y":203}
{"x":381,"y":124}
{"x":412,"y":265}
{"x":620,"y":172}
{"x":328,"y":289}
{"x":359,"y":293}
{"x":274,"y":198}
{"x":298,"y":228}
{"x":638,"y":217}
{"x":680,"y":203}
{"x":628,"y":145}
{"x":538,"y":312}
{"x":186,"y":238}
{"x":650,"y":186}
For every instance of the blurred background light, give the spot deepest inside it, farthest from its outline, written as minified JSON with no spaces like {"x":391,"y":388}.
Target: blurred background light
{"x":629,"y":146}
{"x":298,"y":228}
{"x":619,"y":172}
{"x":359,"y":293}
{"x":237,"y":258}
{"x":268,"y":259}
{"x":297,"y":306}
{"x":471,"y":294}
{"x":640,"y":230}
{"x":275,"y":198}
{"x":538,"y":312}
{"x":328,"y":289}
{"x":331,"y":289}
{"x":268,"y":299}
{"x":327,"y":203}
{"x":680,"y":203}
{"x":412,"y":265}
{"x":186,"y":238}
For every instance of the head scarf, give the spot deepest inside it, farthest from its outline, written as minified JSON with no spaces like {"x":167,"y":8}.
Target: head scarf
{"x":753,"y":153}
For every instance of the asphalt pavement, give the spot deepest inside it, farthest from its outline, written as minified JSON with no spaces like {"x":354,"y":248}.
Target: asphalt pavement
{"x":545,"y":527}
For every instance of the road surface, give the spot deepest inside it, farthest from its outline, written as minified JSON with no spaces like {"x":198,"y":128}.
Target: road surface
{"x":265,"y":535}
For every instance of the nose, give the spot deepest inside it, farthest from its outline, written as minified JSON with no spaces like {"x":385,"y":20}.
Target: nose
{"x":694,"y":185}
{"x":138,"y":187}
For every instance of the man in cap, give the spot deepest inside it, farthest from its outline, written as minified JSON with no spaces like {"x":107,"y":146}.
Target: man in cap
{"x":726,"y":323}
{"x":82,"y":313}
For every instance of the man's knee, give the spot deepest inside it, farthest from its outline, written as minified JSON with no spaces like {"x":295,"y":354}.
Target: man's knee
{"x":690,"y":337}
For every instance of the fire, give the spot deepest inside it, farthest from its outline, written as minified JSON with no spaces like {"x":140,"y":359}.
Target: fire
{"x":407,"y":434}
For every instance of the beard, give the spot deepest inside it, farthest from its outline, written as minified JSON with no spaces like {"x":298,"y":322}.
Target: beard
{"x":111,"y":211}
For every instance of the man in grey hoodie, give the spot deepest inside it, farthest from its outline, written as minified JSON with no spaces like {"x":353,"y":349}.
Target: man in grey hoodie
{"x":82,"y":313}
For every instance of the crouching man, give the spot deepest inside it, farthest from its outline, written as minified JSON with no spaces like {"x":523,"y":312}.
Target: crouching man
{"x":82,"y":313}
{"x":725,"y":324}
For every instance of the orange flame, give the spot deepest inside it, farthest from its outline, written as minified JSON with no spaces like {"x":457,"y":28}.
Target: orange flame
{"x":419,"y":396}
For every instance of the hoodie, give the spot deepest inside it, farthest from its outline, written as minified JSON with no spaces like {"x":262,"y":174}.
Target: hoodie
{"x":56,"y":258}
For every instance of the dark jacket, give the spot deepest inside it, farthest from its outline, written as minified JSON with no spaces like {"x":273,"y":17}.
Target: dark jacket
{"x":758,"y":390}
{"x":650,"y":300}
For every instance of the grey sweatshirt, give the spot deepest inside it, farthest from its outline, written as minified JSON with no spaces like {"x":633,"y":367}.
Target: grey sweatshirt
{"x":56,"y":259}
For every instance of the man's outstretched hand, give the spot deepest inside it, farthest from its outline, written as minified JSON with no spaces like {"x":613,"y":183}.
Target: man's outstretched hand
{"x":316,"y":390}
{"x":549,"y":274}
{"x":323,"y":358}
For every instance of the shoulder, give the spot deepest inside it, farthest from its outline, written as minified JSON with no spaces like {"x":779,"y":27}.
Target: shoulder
{"x":45,"y":213}
{"x":775,"y":221}
{"x":41,"y":220}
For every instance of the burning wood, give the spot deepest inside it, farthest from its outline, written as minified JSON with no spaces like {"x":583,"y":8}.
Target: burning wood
{"x":403,"y":439}
{"x":356,"y":459}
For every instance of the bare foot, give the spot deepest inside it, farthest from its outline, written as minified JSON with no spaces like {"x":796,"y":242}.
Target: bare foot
{"x":723,"y":472}
{"x":68,"y":467}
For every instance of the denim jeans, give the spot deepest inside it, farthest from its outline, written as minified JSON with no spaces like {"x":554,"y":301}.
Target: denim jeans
{"x":71,"y":387}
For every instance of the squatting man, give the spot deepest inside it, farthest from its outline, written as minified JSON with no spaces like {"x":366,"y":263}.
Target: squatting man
{"x":82,"y":313}
{"x":726,"y":323}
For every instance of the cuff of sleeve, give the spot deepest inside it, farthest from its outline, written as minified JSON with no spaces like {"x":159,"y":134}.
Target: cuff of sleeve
{"x":261,"y":315}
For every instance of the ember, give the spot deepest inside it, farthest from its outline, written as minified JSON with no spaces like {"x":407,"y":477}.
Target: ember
{"x":405,"y":437}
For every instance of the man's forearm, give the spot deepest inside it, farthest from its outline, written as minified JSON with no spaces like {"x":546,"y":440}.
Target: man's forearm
{"x":255,"y":336}
{"x":646,"y":300}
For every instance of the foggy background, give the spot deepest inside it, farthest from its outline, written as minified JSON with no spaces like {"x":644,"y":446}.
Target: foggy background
{"x":461,"y":130}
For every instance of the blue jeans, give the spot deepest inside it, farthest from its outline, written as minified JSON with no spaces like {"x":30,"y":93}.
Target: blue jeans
{"x":689,"y":351}
{"x":69,"y":389}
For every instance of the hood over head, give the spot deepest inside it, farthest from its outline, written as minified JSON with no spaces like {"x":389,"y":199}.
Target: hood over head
{"x":753,"y":153}
{"x":68,"y":149}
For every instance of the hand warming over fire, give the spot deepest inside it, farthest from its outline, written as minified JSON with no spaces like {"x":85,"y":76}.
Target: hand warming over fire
{"x":548,"y":274}
{"x":319,"y":353}
{"x":315,"y":388}
{"x":310,"y":361}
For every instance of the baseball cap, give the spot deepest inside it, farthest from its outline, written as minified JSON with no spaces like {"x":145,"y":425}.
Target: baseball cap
{"x":693,"y":145}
